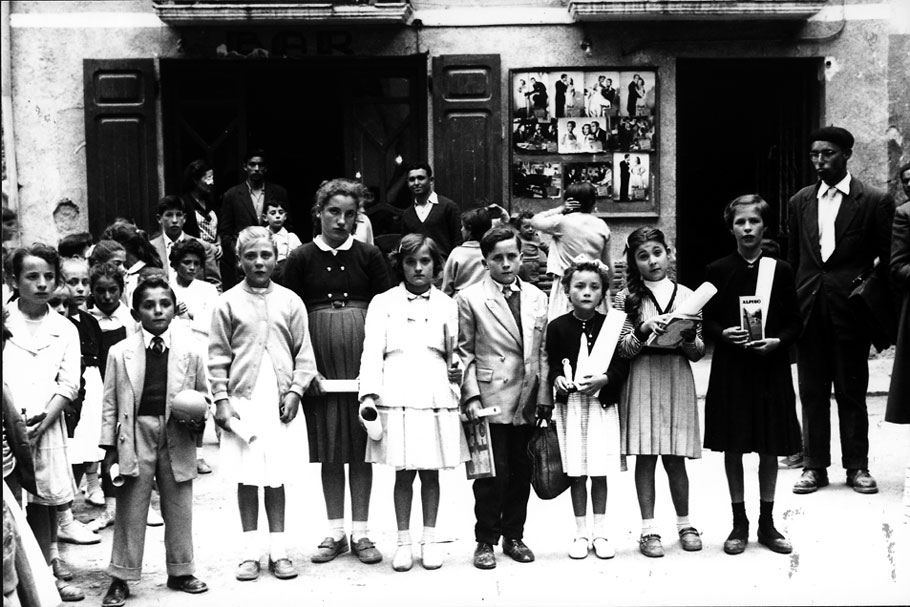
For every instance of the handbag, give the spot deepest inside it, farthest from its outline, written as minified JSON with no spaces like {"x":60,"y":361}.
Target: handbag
{"x":17,"y":437}
{"x":873,"y":304}
{"x":547,"y":476}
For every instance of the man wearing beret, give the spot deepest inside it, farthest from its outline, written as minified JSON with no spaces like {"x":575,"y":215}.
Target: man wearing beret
{"x":838,"y":227}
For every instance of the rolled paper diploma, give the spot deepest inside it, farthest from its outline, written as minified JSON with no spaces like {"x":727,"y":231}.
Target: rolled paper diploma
{"x":242,"y":430}
{"x":567,"y":370}
{"x":695,"y":302}
{"x":116,"y":479}
{"x":371,"y":421}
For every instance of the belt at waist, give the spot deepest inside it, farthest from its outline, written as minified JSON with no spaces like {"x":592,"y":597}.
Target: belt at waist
{"x":338,"y":304}
{"x":659,"y":351}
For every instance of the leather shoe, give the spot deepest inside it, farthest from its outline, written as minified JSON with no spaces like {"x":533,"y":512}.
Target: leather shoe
{"x":484,"y":557}
{"x":737,"y":540}
{"x":283,"y":569}
{"x":690,"y":539}
{"x":186,"y":583}
{"x":116,"y":594}
{"x":329,"y":549}
{"x":62,"y":570}
{"x":811,"y":481}
{"x":366,"y":551}
{"x":517,"y":550}
{"x":774,"y":540}
{"x":202,"y":466}
{"x":650,"y":545}
{"x":247,"y":571}
{"x":861,"y":481}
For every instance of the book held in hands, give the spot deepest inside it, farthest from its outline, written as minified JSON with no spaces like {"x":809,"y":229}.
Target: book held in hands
{"x":750,"y":314}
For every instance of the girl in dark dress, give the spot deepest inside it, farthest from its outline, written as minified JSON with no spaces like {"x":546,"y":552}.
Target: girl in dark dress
{"x":337,"y":276}
{"x":750,"y":405}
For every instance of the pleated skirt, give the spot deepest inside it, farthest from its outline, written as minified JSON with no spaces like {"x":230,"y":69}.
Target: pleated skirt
{"x":659,"y":408}
{"x":333,"y":428}
{"x":588,"y":435}
{"x":419,"y":439}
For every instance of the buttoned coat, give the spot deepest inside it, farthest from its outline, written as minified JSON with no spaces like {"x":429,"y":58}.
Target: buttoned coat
{"x":898,"y":410}
{"x":123,"y":385}
{"x":862,"y":232}
{"x":502,"y":366}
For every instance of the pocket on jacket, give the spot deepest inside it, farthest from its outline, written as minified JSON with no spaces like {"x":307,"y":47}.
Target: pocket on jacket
{"x":485,"y":375}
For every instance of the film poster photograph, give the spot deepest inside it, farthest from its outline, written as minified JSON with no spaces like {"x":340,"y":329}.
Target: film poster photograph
{"x":631,"y":177}
{"x":534,"y":136}
{"x":536,"y":179}
{"x":600,"y":174}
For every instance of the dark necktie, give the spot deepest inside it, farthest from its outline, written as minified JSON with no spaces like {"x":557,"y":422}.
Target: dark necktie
{"x":513,"y":298}
{"x":157,"y":345}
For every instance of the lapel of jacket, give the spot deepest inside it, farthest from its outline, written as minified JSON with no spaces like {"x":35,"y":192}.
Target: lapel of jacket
{"x":248,"y":202}
{"x":528,"y":318}
{"x":849,"y":206}
{"x":43,"y":337}
{"x":134,"y":361}
{"x":500,"y":309}
{"x":176,"y":370}
{"x":810,"y":224}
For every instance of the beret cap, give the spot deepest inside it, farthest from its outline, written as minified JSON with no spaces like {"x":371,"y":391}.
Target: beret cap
{"x":833,"y":134}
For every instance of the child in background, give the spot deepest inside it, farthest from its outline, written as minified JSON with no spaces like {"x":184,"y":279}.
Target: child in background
{"x":109,"y":251}
{"x":260,"y":356}
{"x":464,"y":265}
{"x":143,"y":374}
{"x":533,"y":253}
{"x":75,"y":245}
{"x":750,"y":405}
{"x":659,"y":411}
{"x":405,"y":373}
{"x":274,"y":216}
{"x":41,"y":371}
{"x":586,"y":414}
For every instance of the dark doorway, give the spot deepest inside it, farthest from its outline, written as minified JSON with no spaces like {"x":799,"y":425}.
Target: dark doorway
{"x":316,"y":118}
{"x":742,"y":126}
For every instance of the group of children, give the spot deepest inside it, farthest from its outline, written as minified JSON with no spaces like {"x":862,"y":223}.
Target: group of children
{"x":426,"y":358}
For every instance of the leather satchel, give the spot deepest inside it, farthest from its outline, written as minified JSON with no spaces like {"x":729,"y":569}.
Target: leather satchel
{"x":873,"y":303}
{"x":547,"y":476}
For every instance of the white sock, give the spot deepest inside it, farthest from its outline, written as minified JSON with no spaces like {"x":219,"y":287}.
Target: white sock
{"x":91,"y":482}
{"x":251,"y":548}
{"x":647,"y":526}
{"x":65,"y":517}
{"x":277,"y":549}
{"x":682,"y":522}
{"x":600,"y":525}
{"x":581,"y":526}
{"x":358,"y":530}
{"x":404,"y":537}
{"x":199,"y":452}
{"x":429,"y":535}
{"x":336,"y":529}
{"x":54,"y":551}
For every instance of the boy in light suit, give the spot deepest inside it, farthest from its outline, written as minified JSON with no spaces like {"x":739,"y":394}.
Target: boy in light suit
{"x":502,"y":322}
{"x":138,"y":432}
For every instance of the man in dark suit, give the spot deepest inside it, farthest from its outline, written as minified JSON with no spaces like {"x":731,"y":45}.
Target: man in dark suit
{"x":431,"y":214}
{"x":838,"y":227}
{"x":624,"y":172}
{"x":242,"y":206}
{"x":561,"y":86}
{"x":599,"y":134}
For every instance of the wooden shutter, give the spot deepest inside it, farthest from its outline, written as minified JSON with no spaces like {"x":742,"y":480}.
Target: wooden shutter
{"x":467,"y":128}
{"x":120,"y":141}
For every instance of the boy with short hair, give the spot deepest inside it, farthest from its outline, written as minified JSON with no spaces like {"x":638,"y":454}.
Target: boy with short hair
{"x":502,"y":322}
{"x":139,"y":433}
{"x":171,"y":217}
{"x":274,"y":216}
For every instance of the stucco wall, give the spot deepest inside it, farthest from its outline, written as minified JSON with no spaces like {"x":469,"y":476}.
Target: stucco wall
{"x":48,"y":96}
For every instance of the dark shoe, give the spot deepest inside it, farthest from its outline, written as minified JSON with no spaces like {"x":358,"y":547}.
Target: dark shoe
{"x":811,"y":481}
{"x":650,"y":545}
{"x":283,"y":569}
{"x":861,"y":481}
{"x":62,"y":570}
{"x":186,"y":583}
{"x":791,"y":461}
{"x":484,"y":558}
{"x":329,"y":549}
{"x":690,"y":539}
{"x":774,"y":540}
{"x":737,"y":540}
{"x":116,"y":594}
{"x":247,"y":571}
{"x":517,"y":550}
{"x":366,"y":551}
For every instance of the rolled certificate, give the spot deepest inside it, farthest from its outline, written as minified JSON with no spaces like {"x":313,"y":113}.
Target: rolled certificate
{"x":695,"y":302}
{"x":116,"y":479}
{"x":370,"y":417}
{"x":242,"y":430}
{"x":567,"y":369}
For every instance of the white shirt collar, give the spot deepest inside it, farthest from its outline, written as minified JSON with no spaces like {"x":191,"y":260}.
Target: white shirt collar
{"x":167,"y":239}
{"x":515,"y":285}
{"x":166,"y":337}
{"x":842,"y":186}
{"x":134,"y":269}
{"x":431,"y":199}
{"x":320,"y":242}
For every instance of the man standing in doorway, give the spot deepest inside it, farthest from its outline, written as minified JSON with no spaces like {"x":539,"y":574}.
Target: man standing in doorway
{"x":624,"y":172}
{"x":838,"y":226}
{"x":431,"y":214}
{"x":242,"y":205}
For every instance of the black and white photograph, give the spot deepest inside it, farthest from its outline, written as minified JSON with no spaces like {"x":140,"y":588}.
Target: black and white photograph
{"x":635,"y":134}
{"x":567,"y":99}
{"x":584,"y":136}
{"x":531,"y":93}
{"x":600,"y":174}
{"x":639,"y":94}
{"x":536,"y":179}
{"x":632,"y":177}
{"x":533,"y":136}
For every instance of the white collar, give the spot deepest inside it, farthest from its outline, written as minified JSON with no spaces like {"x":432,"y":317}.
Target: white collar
{"x":174,"y":241}
{"x":842,"y":186}
{"x":431,"y":199}
{"x":166,"y":337}
{"x":320,"y":242}
{"x":134,"y":269}
{"x":513,"y":286}
{"x":281,"y":232}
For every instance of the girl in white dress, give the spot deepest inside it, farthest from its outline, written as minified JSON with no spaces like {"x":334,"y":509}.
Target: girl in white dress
{"x":261,"y":362}
{"x":406,"y":372}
